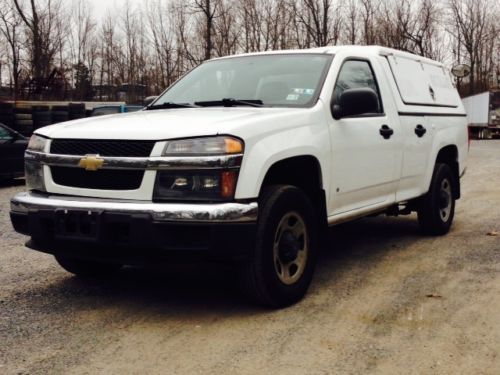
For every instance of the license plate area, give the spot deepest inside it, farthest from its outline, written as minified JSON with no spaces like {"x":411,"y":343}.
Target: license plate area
{"x":77,"y":225}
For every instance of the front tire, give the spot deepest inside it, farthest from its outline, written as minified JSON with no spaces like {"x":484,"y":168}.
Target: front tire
{"x":87,"y":268}
{"x":281,"y":267}
{"x":437,"y":208}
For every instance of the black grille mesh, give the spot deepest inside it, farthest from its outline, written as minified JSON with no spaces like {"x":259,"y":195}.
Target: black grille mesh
{"x":102,"y":147}
{"x":104,"y":179}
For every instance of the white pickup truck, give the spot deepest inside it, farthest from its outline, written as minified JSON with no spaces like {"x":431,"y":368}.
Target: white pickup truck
{"x":249,"y":158}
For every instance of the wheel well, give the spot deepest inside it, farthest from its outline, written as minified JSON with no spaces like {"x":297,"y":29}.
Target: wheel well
{"x":303,"y":172}
{"x":449,"y":155}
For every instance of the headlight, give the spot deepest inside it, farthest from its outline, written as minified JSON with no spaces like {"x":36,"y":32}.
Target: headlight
{"x":37,"y":143}
{"x":216,"y":185}
{"x":221,"y":145}
{"x":199,"y":185}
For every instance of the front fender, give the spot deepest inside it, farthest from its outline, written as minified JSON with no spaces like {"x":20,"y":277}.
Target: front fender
{"x":262,"y":151}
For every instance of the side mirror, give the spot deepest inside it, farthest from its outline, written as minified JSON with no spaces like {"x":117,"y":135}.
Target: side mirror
{"x":460,"y":70}
{"x":354,"y":102}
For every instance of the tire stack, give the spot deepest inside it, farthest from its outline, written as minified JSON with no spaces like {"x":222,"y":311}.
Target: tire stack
{"x":23,"y":121}
{"x":60,"y":113}
{"x":7,"y":114}
{"x":42,"y":116}
{"x":76,"y":111}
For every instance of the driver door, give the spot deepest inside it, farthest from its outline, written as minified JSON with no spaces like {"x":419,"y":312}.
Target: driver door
{"x":364,"y":162}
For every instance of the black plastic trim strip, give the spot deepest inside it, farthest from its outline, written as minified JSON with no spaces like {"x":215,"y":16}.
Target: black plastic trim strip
{"x":430,"y":105}
{"x":432,"y":114}
{"x":364,"y":115}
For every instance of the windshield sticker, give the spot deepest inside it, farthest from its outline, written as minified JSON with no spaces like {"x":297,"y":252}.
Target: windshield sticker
{"x":303,"y":91}
{"x":292,"y":97}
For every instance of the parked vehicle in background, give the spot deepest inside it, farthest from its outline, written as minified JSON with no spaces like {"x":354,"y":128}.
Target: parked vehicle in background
{"x":150,"y":99}
{"x":248,"y":159}
{"x":12,"y":147}
{"x":114,"y":109}
{"x":483,"y":114}
{"x":26,"y":116}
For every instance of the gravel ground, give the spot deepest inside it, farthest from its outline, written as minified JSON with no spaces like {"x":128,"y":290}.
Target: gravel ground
{"x":384,"y":300}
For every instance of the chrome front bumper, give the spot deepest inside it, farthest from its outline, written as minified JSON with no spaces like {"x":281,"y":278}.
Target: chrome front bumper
{"x":231,"y":212}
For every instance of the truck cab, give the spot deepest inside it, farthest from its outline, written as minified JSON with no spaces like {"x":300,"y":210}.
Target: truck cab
{"x":249,"y":159}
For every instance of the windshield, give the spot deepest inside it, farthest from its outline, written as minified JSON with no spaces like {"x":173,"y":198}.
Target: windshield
{"x":290,"y":80}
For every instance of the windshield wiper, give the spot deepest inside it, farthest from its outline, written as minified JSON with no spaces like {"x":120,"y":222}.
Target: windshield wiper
{"x":230,"y":102}
{"x":167,"y":105}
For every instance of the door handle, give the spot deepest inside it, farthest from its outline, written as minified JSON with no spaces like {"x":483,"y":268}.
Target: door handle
{"x":386,"y":131}
{"x":420,"y":131}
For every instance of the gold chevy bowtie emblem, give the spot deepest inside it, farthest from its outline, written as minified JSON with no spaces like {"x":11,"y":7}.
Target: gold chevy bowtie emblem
{"x":91,"y":162}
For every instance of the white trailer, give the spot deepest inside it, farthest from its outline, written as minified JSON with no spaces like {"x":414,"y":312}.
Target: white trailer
{"x":483,"y":114}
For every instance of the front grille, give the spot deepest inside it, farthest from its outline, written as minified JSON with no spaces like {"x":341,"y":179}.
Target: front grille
{"x":104,"y":179}
{"x":102,"y":147}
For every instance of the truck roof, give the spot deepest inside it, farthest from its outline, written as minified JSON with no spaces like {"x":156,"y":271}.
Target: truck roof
{"x":364,"y":50}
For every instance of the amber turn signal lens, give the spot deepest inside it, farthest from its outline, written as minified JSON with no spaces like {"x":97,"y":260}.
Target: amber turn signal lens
{"x":228,"y":184}
{"x":233,"y":146}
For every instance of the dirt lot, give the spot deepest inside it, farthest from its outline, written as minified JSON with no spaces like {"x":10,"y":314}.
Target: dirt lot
{"x":384,"y":300}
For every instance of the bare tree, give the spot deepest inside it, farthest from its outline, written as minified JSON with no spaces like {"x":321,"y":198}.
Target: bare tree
{"x":107,"y":57}
{"x":276,"y":20}
{"x":209,"y":10}
{"x":410,"y":26}
{"x":251,"y":23}
{"x":368,"y":13}
{"x":322,"y":21}
{"x":152,"y":44}
{"x":82,"y":30}
{"x":163,"y":41}
{"x":476,"y":29}
{"x":44,"y":25}
{"x":226,"y":30}
{"x":351,"y":21}
{"x":82,"y":47}
{"x":10,"y":27}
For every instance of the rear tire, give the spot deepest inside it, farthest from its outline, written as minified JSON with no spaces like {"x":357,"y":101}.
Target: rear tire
{"x":87,"y":268}
{"x":279,"y":271}
{"x":437,"y":208}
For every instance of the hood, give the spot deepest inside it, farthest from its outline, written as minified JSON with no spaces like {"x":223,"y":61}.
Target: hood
{"x":173,"y":123}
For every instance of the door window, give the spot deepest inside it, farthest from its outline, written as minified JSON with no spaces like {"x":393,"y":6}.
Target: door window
{"x":356,"y":74}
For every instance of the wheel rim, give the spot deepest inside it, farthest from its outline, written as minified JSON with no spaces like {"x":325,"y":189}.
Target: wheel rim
{"x":290,"y":250}
{"x":445,"y":200}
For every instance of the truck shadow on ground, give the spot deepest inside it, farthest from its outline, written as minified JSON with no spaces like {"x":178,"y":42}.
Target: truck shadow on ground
{"x":214,"y":286}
